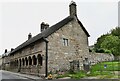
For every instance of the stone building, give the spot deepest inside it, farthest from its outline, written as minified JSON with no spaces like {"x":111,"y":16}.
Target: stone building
{"x":0,"y":62}
{"x":5,"y":60}
{"x":55,"y":48}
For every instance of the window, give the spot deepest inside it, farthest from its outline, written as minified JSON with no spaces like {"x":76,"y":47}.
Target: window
{"x":65,"y":42}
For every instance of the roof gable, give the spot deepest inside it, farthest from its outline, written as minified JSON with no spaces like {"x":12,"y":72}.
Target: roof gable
{"x":83,"y":28}
{"x":48,"y":32}
{"x":45,"y":33}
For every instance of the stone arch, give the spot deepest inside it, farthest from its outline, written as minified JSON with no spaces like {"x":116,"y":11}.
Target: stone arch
{"x":17,"y":62}
{"x":14,"y":62}
{"x":26,"y":61}
{"x":20,"y":62}
{"x":30,"y":60}
{"x":40,"y":59}
{"x":23,"y":61}
{"x":34,"y":60}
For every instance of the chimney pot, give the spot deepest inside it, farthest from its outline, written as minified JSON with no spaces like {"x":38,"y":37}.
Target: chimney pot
{"x":44,"y":26}
{"x":5,"y":50}
{"x":29,"y":36}
{"x":12,"y":49}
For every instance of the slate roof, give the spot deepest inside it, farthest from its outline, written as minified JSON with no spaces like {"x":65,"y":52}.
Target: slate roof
{"x":48,"y":32}
{"x":6,"y":54}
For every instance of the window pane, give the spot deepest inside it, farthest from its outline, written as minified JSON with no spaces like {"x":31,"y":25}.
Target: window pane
{"x":65,"y":42}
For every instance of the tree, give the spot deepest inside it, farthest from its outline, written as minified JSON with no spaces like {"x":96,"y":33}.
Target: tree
{"x":100,"y":40}
{"x":109,"y":43}
{"x":116,"y":32}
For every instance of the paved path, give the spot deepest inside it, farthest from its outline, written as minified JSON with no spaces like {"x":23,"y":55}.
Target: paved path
{"x":13,"y":76}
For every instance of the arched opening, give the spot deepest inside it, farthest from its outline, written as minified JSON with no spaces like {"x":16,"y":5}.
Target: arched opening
{"x":17,"y":62}
{"x":30,"y":60}
{"x":20,"y":62}
{"x":40,"y":59}
{"x":34,"y":60}
{"x":26,"y":61}
{"x":23,"y":61}
{"x":14,"y":62}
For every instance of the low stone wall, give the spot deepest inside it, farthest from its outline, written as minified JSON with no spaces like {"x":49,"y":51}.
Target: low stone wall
{"x":95,"y":58}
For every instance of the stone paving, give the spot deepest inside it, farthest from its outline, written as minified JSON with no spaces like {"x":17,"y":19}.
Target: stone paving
{"x":24,"y":75}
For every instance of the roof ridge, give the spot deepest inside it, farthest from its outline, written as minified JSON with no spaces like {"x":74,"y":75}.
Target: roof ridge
{"x":45,"y":33}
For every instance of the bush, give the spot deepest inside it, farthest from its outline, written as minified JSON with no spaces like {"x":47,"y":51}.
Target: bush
{"x":79,"y":75}
{"x":71,"y":71}
{"x":100,"y":50}
{"x":108,"y":51}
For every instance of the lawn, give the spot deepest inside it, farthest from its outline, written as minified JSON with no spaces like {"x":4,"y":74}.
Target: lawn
{"x":97,"y":70}
{"x":74,"y":75}
{"x":110,"y":66}
{"x":111,"y":70}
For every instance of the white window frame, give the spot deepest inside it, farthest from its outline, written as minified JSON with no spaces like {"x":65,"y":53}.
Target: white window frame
{"x":65,"y":42}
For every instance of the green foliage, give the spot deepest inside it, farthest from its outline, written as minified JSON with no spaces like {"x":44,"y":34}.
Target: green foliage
{"x":71,"y":71}
{"x":116,"y":31}
{"x":78,"y":75}
{"x":100,"y":40}
{"x":96,"y":70}
{"x":62,"y":76}
{"x":109,"y":43}
{"x":99,"y":69}
{"x":108,"y":51}
{"x":110,"y":66}
{"x":75,"y":75}
{"x":100,"y":50}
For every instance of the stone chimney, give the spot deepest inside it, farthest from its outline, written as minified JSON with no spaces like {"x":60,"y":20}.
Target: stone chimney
{"x":44,"y":26}
{"x":73,"y":9}
{"x":5,"y":50}
{"x":29,"y":36}
{"x":12,"y":49}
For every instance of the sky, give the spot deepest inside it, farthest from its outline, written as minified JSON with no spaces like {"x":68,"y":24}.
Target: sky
{"x":18,"y":18}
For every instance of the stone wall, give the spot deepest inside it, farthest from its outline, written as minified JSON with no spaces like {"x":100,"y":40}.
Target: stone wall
{"x":60,"y":56}
{"x":0,"y":62}
{"x":19,"y":61}
{"x":95,"y":58}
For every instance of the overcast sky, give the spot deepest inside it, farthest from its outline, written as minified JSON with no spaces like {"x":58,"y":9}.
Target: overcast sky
{"x":19,"y":18}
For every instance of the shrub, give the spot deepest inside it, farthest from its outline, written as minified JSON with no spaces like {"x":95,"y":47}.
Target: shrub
{"x":100,"y":50}
{"x":108,"y":51}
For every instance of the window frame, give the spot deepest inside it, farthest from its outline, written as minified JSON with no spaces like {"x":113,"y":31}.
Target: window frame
{"x":65,"y":42}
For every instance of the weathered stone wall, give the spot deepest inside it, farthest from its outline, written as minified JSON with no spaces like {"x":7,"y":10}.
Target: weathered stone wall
{"x":95,"y":58}
{"x":32,"y":50}
{"x":0,"y":62}
{"x":60,"y":56}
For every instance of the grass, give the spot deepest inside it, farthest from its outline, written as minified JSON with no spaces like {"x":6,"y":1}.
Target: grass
{"x":108,"y":72}
{"x":96,"y":70}
{"x":111,"y":66}
{"x":76,"y":75}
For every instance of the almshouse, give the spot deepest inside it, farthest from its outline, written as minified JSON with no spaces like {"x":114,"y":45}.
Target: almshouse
{"x":54,"y":49}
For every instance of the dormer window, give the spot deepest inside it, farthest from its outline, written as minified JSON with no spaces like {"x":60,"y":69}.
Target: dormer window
{"x":65,"y":42}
